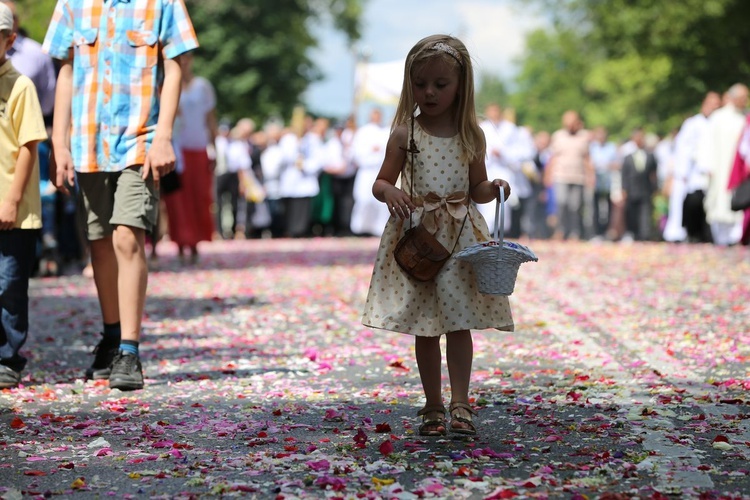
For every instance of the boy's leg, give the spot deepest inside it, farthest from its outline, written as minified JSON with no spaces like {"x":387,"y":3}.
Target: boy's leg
{"x":104,"y":263}
{"x":129,"y":246}
{"x":95,"y":205}
{"x":135,"y":212}
{"x":16,"y":258}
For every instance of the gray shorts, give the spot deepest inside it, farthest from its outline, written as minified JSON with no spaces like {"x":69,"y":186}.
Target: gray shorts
{"x":109,"y":199}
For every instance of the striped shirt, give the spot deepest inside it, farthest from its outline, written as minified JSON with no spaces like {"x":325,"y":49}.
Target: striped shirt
{"x":117,"y":48}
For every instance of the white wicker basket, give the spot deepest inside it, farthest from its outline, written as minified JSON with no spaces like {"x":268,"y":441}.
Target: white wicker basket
{"x":496,"y":262}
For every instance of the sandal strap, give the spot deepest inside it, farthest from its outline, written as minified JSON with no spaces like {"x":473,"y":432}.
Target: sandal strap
{"x":431,"y":408}
{"x":461,"y":405}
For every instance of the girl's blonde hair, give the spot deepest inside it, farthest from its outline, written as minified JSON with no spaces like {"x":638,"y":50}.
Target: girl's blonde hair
{"x":454,"y":52}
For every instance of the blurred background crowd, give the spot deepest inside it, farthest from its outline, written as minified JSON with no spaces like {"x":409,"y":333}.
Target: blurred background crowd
{"x":587,"y":160}
{"x":311,"y":177}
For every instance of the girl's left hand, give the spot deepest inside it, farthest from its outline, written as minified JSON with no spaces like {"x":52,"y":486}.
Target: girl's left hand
{"x":496,"y":188}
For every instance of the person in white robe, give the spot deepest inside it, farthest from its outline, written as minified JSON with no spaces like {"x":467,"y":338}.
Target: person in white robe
{"x":502,"y":161}
{"x":604,"y":159}
{"x":304,"y":159}
{"x":369,"y":216}
{"x":525,"y":175}
{"x":238,"y":162}
{"x":272,"y":162}
{"x":340,"y":166}
{"x":687,"y":179}
{"x":716,"y":152}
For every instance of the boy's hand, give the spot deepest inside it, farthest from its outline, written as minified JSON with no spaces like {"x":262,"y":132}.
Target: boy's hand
{"x":160,"y":159}
{"x":61,"y":169}
{"x":8,"y":214}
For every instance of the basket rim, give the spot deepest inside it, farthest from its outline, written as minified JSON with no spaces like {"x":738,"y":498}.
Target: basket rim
{"x":508,"y":248}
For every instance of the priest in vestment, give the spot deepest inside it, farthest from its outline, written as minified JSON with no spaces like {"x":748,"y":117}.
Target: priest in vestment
{"x":369,"y":215}
{"x":716,"y":154}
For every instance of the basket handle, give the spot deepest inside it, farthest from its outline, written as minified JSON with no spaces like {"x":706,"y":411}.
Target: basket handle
{"x":500,"y":209}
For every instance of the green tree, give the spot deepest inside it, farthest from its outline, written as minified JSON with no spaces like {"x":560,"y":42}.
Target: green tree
{"x":256,"y":53}
{"x":34,"y":16}
{"x":550,"y":78}
{"x":650,"y":63}
{"x":491,"y":89}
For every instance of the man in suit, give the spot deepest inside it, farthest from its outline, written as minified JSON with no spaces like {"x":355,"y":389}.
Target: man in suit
{"x":639,"y":183}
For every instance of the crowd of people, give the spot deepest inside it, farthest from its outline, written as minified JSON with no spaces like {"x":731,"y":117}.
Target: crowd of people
{"x":313,"y":176}
{"x":578,"y":184}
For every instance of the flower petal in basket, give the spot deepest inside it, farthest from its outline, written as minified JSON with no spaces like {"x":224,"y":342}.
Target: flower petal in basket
{"x":493,"y":251}
{"x":525,"y":252}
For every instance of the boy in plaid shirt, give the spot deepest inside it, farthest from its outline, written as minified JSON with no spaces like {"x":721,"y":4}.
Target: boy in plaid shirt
{"x":116,"y":100}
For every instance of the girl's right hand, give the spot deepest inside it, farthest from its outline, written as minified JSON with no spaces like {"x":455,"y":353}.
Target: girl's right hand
{"x":398,"y":203}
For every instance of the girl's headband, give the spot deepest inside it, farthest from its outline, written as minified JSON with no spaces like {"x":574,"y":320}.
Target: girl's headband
{"x":444,"y":47}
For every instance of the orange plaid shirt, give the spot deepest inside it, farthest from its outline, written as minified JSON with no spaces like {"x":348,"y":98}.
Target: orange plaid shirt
{"x":117,"y":48}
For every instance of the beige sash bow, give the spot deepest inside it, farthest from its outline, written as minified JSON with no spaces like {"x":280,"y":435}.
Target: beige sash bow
{"x":455,"y":203}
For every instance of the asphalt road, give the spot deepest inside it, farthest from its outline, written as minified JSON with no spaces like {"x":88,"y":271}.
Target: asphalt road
{"x":626,"y":377}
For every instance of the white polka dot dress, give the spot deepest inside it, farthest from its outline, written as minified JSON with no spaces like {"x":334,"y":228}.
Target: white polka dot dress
{"x":451,"y":301}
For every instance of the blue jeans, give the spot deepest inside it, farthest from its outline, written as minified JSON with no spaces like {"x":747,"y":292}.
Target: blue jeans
{"x":16,"y":259}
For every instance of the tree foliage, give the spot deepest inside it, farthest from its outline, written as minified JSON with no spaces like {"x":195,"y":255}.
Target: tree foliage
{"x":256,"y":53}
{"x":642,"y":62}
{"x":34,"y":16}
{"x":491,"y":89}
{"x":550,"y":78}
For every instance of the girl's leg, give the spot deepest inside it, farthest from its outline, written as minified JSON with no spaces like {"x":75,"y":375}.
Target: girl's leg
{"x":429,"y":360}
{"x":460,"y":354}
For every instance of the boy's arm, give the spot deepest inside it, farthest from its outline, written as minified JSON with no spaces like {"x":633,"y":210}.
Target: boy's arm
{"x":24,"y":166}
{"x":61,"y":166}
{"x":161,"y":158}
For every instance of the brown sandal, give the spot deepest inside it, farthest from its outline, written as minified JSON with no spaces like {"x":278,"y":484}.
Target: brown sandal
{"x":432,"y":426}
{"x":454,"y":410}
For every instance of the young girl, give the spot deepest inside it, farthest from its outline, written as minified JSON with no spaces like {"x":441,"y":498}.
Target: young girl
{"x":436,"y":109}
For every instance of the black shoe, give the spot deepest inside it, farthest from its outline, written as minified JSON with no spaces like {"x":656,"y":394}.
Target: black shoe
{"x":105,"y":353}
{"x":9,"y":378}
{"x":127,"y":373}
